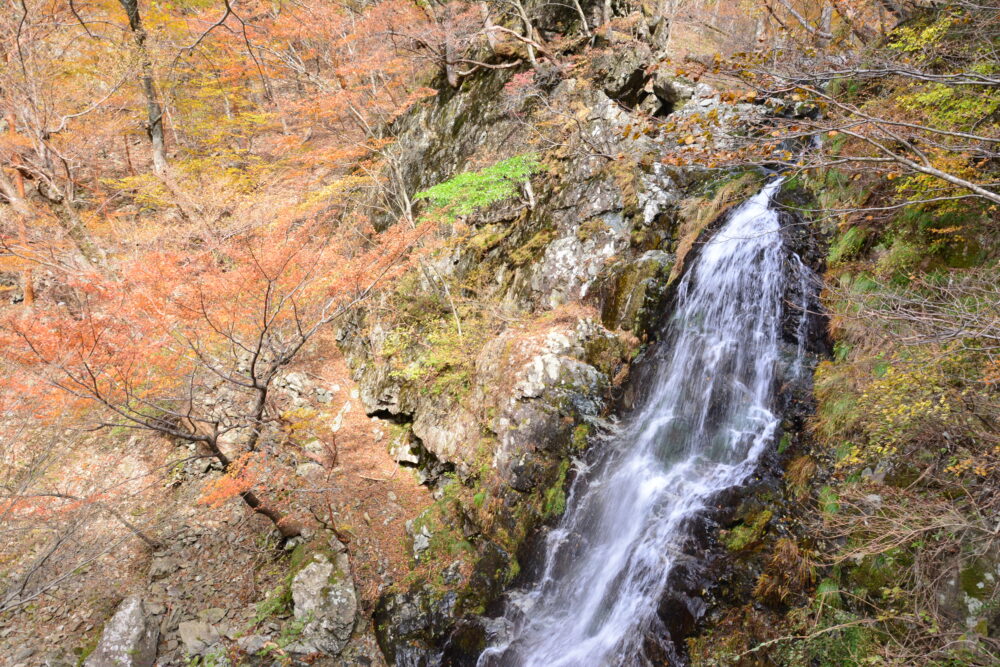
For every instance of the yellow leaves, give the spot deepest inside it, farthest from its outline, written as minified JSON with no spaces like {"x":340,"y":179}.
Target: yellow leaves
{"x":335,"y":189}
{"x":946,"y":230}
{"x":14,"y":263}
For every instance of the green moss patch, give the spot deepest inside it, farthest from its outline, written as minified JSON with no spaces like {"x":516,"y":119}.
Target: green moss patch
{"x":749,"y":534}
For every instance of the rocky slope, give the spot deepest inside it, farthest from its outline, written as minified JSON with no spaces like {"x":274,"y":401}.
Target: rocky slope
{"x":498,"y":358}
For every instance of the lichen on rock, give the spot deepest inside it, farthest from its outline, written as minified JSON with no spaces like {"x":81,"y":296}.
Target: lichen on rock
{"x":324,"y":599}
{"x":129,"y":638}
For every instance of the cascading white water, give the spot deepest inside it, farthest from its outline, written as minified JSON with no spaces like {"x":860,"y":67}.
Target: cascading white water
{"x":700,"y":430}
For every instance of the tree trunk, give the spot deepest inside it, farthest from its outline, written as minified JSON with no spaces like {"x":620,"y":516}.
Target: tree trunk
{"x":491,"y":39}
{"x":826,"y":25}
{"x":27,"y":284}
{"x":154,"y":112}
{"x":529,"y":32}
{"x":75,"y":229}
{"x":583,"y":18}
{"x":450,"y":52}
{"x":287,"y":527}
{"x":65,"y":214}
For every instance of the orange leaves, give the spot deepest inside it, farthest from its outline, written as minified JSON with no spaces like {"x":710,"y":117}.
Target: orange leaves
{"x":243,"y":474}
{"x":991,"y":373}
{"x":170,"y":322}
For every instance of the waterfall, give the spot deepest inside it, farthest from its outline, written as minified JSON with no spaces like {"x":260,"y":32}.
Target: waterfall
{"x":700,"y":429}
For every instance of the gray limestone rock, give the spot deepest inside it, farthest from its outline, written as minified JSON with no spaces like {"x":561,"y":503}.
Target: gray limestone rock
{"x":402,"y":449}
{"x":129,"y":638}
{"x":421,"y":536}
{"x":324,"y":598}
{"x":252,"y":644}
{"x":212,"y":615}
{"x":163,"y":566}
{"x":197,"y":636}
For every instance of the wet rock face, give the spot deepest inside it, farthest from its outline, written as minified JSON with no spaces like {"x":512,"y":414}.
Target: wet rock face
{"x":409,"y":626}
{"x":804,"y":332}
{"x":557,"y":387}
{"x":325,"y":601}
{"x":576,"y":278}
{"x":129,"y":638}
{"x":631,"y":293}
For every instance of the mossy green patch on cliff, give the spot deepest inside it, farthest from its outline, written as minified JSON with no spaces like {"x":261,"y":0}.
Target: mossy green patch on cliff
{"x":446,"y":542}
{"x":847,"y":245}
{"x":89,"y":646}
{"x":436,"y":355}
{"x":591,"y":228}
{"x":278,"y":602}
{"x":513,"y":570}
{"x":532,"y":248}
{"x":607,"y":353}
{"x":633,"y":291}
{"x":488,"y":237}
{"x":749,"y":533}
{"x":880,"y":574}
{"x":555,"y":496}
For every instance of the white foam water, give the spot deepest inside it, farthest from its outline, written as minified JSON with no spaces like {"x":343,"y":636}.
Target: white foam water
{"x":700,"y":430}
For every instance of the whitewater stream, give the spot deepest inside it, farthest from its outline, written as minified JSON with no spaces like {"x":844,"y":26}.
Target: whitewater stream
{"x":699,"y":430}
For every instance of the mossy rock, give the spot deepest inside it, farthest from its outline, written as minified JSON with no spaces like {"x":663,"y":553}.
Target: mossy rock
{"x":749,"y":533}
{"x":555,"y":496}
{"x":533,"y":248}
{"x":631,"y":293}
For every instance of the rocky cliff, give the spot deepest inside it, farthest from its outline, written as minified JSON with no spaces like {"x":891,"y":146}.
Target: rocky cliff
{"x":497,"y":358}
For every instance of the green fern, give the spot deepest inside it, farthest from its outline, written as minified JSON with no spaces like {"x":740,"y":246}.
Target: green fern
{"x":470,"y":191}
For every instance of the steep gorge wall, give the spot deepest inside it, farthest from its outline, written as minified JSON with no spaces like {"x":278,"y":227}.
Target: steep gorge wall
{"x":496,"y":357}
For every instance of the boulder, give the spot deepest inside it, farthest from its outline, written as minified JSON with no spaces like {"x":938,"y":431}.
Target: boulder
{"x":163,"y":566}
{"x":252,"y":644}
{"x":420,"y":533}
{"x":129,"y":638}
{"x":325,"y":601}
{"x":410,"y":627}
{"x":402,"y":448}
{"x":212,"y":615}
{"x":198,"y":636}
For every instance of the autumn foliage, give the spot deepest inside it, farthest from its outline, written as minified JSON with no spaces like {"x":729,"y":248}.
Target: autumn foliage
{"x":189,"y":193}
